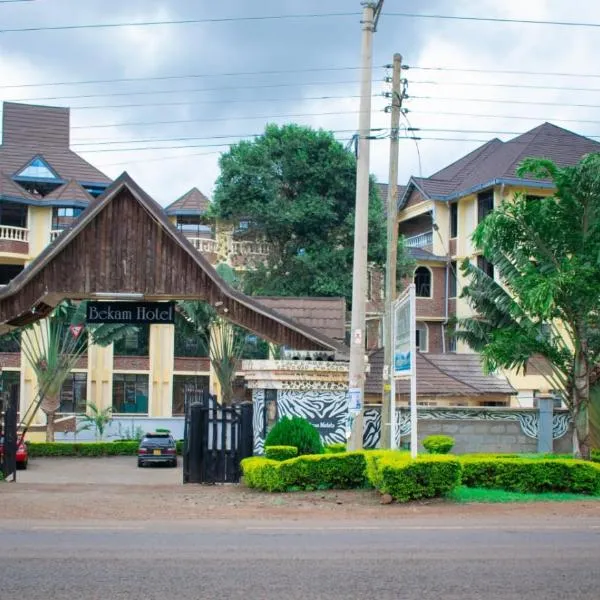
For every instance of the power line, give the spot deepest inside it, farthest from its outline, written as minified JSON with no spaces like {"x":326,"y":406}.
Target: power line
{"x":507,"y":85}
{"x":503,"y":71}
{"x":187,"y":76}
{"x":503,"y":101}
{"x":486,"y":131}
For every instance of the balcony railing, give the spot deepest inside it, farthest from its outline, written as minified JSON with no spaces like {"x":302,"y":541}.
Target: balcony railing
{"x":248,"y":248}
{"x":54,"y":234}
{"x":204,"y":245}
{"x":421,"y":240}
{"x":17,"y":234}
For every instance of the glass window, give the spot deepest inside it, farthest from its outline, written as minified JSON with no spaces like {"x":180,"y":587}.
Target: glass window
{"x":454,"y":220}
{"x":485,"y":204}
{"x":10,"y":343}
{"x":13,"y":214}
{"x":423,"y":282}
{"x":193,"y":226}
{"x":63,"y":217}
{"x":486,"y":266}
{"x":271,"y":412}
{"x":422,"y":341}
{"x":37,"y":169}
{"x":136,"y":342}
{"x":9,"y":272}
{"x":73,"y":394}
{"x":8,"y":379}
{"x":130,"y":393}
{"x":187,"y":386}
{"x":452,"y":280}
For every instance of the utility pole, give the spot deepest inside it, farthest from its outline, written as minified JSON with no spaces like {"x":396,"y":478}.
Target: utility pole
{"x":388,"y":400}
{"x":356,"y":378}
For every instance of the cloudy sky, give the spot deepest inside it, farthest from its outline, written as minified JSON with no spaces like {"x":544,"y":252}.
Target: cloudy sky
{"x":187,"y":91}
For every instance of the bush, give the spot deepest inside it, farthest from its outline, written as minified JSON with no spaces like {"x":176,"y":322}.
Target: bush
{"x":335,"y":448}
{"x":532,"y":475}
{"x":595,"y":455}
{"x":307,"y":472}
{"x":296,"y":432}
{"x":438,"y":444}
{"x":407,"y":479}
{"x":128,"y":448}
{"x":281,"y":452}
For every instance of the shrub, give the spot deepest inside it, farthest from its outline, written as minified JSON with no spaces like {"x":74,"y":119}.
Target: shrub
{"x":438,"y":444}
{"x":128,"y":448}
{"x":532,"y":475}
{"x":281,"y":452}
{"x":296,"y":432}
{"x":307,"y":472}
{"x":407,"y":479}
{"x":595,"y":455}
{"x":335,"y":448}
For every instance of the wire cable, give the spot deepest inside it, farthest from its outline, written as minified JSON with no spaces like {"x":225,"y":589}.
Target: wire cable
{"x":488,"y":116}
{"x":506,"y":85}
{"x":503,"y":101}
{"x":502,"y":71}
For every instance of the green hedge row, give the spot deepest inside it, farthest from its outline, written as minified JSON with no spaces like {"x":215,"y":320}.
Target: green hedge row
{"x":531,"y":476}
{"x":118,"y":448}
{"x":281,"y":452}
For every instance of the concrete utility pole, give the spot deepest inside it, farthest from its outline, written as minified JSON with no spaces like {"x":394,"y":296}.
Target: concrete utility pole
{"x":371,"y":11}
{"x":388,"y":400}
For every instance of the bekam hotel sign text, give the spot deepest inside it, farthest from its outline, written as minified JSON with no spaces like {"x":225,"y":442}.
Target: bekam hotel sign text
{"x":137,"y":313}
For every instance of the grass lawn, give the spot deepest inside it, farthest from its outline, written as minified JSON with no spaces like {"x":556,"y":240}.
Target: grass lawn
{"x":464,"y":495}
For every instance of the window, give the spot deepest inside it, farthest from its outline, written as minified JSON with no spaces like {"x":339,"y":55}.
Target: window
{"x":493,"y":403}
{"x":454,"y":220}
{"x":452,"y":280}
{"x":421,"y":339}
{"x":130,"y":393}
{"x":193,"y":226}
{"x":271,"y":411}
{"x":37,"y":169}
{"x":485,"y":204}
{"x":244,"y":225}
{"x":8,"y":272}
{"x":63,"y":217}
{"x":73,"y":394}
{"x":135,"y":342}
{"x":423,"y":282}
{"x":486,"y":266}
{"x":187,"y":386}
{"x":13,"y":214}
{"x":8,"y":379}
{"x":531,"y":197}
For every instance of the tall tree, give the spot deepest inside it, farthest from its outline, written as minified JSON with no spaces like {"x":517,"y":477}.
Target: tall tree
{"x":296,"y":188}
{"x":547,"y":254}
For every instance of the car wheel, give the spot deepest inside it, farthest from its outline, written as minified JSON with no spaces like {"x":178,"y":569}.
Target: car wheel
{"x":140,"y":464}
{"x":22,"y":466}
{"x":174,"y":463}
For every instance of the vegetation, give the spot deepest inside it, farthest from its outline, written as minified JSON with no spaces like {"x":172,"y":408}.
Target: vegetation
{"x":96,"y":419}
{"x":335,"y":448}
{"x":297,"y":432}
{"x":295,"y":187}
{"x":464,"y":495}
{"x":80,"y":449}
{"x":546,"y":252}
{"x":438,"y":444}
{"x":280,"y":452}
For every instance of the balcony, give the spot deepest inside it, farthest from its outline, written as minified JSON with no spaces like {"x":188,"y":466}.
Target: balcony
{"x":422,"y":240}
{"x":251,"y":248}
{"x":17,"y":234}
{"x":54,"y":234}
{"x":204,"y":245}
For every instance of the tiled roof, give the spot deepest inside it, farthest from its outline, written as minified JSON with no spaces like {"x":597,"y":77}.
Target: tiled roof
{"x":70,"y":191}
{"x":9,"y":190}
{"x":323,"y":314}
{"x":29,"y":131}
{"x":441,"y":375}
{"x":497,"y":160}
{"x":192,"y":202}
{"x":420,"y":254}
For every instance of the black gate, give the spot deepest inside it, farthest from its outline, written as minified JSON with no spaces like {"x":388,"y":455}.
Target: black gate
{"x":8,"y":432}
{"x":216,"y":440}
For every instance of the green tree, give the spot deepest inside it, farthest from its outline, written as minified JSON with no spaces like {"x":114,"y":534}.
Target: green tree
{"x":53,"y":346}
{"x":96,"y":419}
{"x":547,"y":254}
{"x":296,"y":188}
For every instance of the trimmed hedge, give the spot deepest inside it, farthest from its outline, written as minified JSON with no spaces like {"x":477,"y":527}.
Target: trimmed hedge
{"x":595,"y":455}
{"x":281,"y":452}
{"x":306,"y":472}
{"x":408,"y":479}
{"x":532,"y":475}
{"x":335,"y":448}
{"x":37,"y":449}
{"x":438,"y":444}
{"x":297,"y":432}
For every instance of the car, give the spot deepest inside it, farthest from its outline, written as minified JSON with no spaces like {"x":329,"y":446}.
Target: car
{"x":22,"y":453}
{"x":157,"y":448}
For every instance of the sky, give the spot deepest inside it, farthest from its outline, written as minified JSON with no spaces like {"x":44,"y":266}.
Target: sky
{"x":225,"y":80}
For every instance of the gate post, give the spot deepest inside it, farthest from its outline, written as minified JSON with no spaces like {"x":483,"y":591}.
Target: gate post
{"x":194,"y":444}
{"x":9,"y":459}
{"x":246,"y":430}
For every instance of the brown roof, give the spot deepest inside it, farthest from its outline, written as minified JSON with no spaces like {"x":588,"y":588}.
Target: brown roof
{"x":497,"y":161}
{"x":29,"y":131}
{"x":9,"y":190}
{"x":383,"y":192}
{"x":70,"y":191}
{"x":146,"y":255}
{"x":193,"y":201}
{"x":323,"y":314}
{"x":441,"y":375}
{"x":419,"y":254}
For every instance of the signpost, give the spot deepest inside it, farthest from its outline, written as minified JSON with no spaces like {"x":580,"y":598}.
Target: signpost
{"x":135,"y":313}
{"x":404,"y":360}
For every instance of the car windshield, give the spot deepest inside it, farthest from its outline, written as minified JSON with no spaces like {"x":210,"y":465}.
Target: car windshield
{"x":157,"y":441}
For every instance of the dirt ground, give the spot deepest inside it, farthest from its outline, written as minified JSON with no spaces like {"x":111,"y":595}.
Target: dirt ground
{"x":114,"y":488}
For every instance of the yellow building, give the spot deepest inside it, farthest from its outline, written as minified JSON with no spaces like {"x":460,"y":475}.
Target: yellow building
{"x":438,"y":214}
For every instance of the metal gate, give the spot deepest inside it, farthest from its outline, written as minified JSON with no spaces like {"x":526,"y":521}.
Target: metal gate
{"x":8,"y":432}
{"x":216,"y":440}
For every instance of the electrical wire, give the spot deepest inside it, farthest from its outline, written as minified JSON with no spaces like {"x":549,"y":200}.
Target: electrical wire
{"x":488,"y":116}
{"x":502,"y":71}
{"x":485,"y":131}
{"x":506,"y":85}
{"x":503,"y":101}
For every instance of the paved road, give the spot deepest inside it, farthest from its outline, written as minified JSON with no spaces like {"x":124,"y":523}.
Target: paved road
{"x":542,"y":560}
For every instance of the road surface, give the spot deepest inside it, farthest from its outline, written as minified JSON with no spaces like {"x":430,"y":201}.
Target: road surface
{"x":485,"y":558}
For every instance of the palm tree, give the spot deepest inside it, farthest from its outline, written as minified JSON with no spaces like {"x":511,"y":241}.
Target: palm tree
{"x":96,"y":419}
{"x":54,"y":346}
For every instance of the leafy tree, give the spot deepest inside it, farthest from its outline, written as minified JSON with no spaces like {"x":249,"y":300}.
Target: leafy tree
{"x":97,"y":419}
{"x":547,"y":253}
{"x":53,"y":347}
{"x":296,"y":188}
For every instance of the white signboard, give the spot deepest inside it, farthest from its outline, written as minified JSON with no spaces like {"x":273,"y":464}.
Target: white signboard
{"x":403,"y":317}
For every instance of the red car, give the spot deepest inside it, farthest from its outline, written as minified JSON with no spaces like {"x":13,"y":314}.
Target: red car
{"x":22,"y":454}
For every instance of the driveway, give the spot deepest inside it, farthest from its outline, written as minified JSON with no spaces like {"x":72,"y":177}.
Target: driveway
{"x":112,"y":470}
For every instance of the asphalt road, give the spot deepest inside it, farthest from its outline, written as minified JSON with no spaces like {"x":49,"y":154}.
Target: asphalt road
{"x":302,"y":559}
